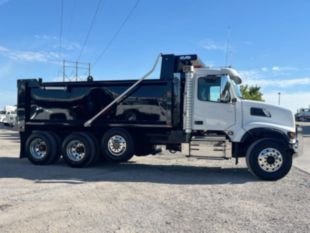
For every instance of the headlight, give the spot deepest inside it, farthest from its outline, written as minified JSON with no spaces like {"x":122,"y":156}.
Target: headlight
{"x":292,"y":135}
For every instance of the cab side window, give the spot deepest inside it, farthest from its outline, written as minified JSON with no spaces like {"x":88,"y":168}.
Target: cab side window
{"x":209,"y":89}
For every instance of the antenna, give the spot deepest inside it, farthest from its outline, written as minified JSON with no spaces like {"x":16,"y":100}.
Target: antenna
{"x":227,"y":46}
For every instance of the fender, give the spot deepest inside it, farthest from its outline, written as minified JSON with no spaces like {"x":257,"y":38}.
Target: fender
{"x":240,"y":148}
{"x":265,"y":133}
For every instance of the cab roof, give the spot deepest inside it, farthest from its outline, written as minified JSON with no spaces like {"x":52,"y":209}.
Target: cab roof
{"x":172,"y":64}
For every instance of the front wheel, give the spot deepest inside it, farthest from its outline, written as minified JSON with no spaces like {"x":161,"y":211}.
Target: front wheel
{"x":269,"y":159}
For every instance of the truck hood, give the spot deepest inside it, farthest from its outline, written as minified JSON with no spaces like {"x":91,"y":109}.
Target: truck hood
{"x":259,"y":114}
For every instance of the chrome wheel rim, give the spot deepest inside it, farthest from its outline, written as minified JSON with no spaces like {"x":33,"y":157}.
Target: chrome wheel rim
{"x":270,"y":160}
{"x":38,"y":148}
{"x":117,"y":145}
{"x":76,"y":150}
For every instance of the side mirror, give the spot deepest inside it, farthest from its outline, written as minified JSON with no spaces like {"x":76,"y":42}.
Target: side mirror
{"x":225,"y":99}
{"x":225,"y":93}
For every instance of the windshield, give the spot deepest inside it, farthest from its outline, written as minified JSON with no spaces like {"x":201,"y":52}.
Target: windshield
{"x":237,"y":89}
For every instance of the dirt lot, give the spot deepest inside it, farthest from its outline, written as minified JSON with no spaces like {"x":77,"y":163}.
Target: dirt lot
{"x":166,"y":193}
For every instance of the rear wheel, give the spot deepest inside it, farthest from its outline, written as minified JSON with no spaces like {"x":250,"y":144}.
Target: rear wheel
{"x":58,"y":147}
{"x":269,"y":159}
{"x":79,"y":150}
{"x":42,"y":148}
{"x":117,"y":145}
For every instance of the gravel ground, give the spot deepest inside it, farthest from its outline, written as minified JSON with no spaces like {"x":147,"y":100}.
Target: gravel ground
{"x":165,"y":193}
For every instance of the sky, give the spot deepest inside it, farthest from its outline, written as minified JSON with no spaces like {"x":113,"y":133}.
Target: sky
{"x":268,"y":41}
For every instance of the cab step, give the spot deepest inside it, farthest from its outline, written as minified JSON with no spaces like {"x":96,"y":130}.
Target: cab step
{"x":208,"y":147}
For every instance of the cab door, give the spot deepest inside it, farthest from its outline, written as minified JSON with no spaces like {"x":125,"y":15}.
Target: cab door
{"x":213,"y":105}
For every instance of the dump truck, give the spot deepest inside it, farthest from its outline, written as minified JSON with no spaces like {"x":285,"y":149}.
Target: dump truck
{"x":190,"y":108}
{"x":8,"y":116}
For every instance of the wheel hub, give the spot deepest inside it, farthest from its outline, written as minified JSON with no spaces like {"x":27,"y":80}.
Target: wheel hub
{"x":38,"y":148}
{"x":76,"y":150}
{"x":80,"y":149}
{"x":270,"y":159}
{"x":42,"y":147}
{"x":117,"y":145}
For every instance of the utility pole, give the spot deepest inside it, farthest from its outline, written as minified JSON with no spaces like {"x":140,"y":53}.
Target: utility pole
{"x":76,"y":70}
{"x":63,"y":70}
{"x":74,"y":67}
{"x":279,"y":98}
{"x":88,"y":69}
{"x":227,"y":47}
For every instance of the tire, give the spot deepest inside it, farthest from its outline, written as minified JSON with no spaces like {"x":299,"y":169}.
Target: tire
{"x":87,"y":149}
{"x":269,"y":159}
{"x":41,"y":148}
{"x":58,"y":146}
{"x":97,"y":151}
{"x":117,"y":145}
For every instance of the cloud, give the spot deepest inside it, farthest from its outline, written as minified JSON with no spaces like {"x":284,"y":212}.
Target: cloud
{"x":272,"y":81}
{"x":45,"y":37}
{"x":292,"y":101}
{"x":279,"y":83}
{"x":211,"y":45}
{"x":247,"y":42}
{"x":28,"y":56}
{"x":53,"y":42}
{"x":248,"y":75}
{"x":275,"y":68}
{"x":66,"y":45}
{"x":283,"y":68}
{"x":47,"y":50}
{"x":275,"y":76}
{"x":3,"y":49}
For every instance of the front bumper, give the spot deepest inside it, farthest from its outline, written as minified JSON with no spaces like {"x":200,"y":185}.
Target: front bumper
{"x":298,"y":146}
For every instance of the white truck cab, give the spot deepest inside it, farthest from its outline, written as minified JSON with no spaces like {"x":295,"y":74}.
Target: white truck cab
{"x":219,"y":91}
{"x":214,"y":111}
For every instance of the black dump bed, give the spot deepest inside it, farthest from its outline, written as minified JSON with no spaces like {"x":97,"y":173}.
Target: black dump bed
{"x":153,"y":103}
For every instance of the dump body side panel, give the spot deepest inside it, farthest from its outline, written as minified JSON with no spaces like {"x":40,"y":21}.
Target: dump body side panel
{"x":153,"y":103}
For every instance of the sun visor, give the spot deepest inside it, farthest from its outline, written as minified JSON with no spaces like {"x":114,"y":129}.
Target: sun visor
{"x":234,"y":75}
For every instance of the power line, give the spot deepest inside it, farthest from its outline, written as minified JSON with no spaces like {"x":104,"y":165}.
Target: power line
{"x":228,"y":46}
{"x":61,"y":25}
{"x":60,"y":31}
{"x":72,"y":17}
{"x":90,"y":28}
{"x":117,"y":32}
